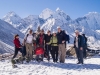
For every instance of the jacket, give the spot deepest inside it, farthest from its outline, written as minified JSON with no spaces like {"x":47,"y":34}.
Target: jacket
{"x":53,"y":41}
{"x":17,"y":43}
{"x":40,"y":39}
{"x":80,"y":41}
{"x":61,"y":37}
{"x":47,"y":38}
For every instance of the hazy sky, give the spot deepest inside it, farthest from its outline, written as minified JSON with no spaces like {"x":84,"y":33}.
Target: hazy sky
{"x":74,"y":8}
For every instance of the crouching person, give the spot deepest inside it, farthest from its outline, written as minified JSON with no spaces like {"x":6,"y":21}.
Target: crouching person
{"x":17,"y":45}
{"x":54,"y":45}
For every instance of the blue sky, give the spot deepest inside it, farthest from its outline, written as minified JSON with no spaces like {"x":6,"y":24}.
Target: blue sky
{"x":74,"y":8}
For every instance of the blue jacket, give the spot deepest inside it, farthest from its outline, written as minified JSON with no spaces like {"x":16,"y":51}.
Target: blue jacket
{"x":80,"y":41}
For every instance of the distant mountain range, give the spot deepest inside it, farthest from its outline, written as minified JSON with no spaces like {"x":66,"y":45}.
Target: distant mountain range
{"x":49,"y":20}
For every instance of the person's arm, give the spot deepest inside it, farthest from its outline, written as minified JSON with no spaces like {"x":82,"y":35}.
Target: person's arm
{"x":50,"y":41}
{"x":64,"y":38}
{"x":74,"y":42}
{"x":81,"y":43}
{"x":17,"y":44}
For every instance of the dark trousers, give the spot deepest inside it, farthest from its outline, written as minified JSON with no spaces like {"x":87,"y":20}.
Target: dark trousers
{"x":23,"y":51}
{"x":48,"y":50}
{"x":55,"y":53}
{"x":84,"y":51}
{"x":16,"y":52}
{"x":79,"y":54}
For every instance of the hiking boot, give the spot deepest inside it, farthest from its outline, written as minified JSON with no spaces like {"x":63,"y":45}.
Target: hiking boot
{"x":78,"y":63}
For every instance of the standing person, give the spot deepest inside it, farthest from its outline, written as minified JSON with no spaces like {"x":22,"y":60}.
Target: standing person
{"x":28,"y":41}
{"x":48,"y":46}
{"x":41,"y":39}
{"x":17,"y":45}
{"x":85,"y":46}
{"x":54,"y":44}
{"x":78,"y":44}
{"x":61,"y":45}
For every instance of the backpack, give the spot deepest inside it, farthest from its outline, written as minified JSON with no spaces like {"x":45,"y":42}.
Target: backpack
{"x":84,"y":40}
{"x":67,"y":38}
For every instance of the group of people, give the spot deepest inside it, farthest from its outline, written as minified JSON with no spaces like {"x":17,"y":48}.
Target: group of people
{"x":53,"y":43}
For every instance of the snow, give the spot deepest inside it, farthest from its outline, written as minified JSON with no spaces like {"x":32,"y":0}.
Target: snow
{"x":91,"y":67}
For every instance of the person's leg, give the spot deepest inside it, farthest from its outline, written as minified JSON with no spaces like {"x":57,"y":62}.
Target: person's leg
{"x":81,"y":56}
{"x":77,"y":54}
{"x":53,"y":53}
{"x":56,"y":49}
{"x":16,"y":52}
{"x":84,"y":51}
{"x":59,"y":53}
{"x":27,"y":50}
{"x":49,"y":49}
{"x":63,"y":49}
{"x":30,"y":51}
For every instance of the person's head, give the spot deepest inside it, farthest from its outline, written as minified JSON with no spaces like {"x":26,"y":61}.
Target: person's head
{"x":16,"y":36}
{"x":30,"y":31}
{"x":48,"y":32}
{"x":83,"y":34}
{"x":76,"y":32}
{"x":54,"y":33}
{"x":59,"y":29}
{"x":42,"y":31}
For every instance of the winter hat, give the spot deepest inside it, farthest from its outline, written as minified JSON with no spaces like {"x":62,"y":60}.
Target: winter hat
{"x":48,"y":31}
{"x":58,"y":27}
{"x":54,"y":32}
{"x":76,"y":31}
{"x":16,"y":35}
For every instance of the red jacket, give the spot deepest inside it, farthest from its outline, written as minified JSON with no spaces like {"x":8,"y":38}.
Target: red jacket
{"x":17,"y":43}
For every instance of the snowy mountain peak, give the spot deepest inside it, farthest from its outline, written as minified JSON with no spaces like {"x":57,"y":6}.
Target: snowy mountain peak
{"x":93,"y":14}
{"x":46,"y":13}
{"x":59,"y":10}
{"x":32,"y":17}
{"x":12,"y":18}
{"x":11,"y":14}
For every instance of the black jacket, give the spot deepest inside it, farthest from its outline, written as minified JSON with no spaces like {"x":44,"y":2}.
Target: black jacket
{"x":80,"y":41}
{"x":61,"y":37}
{"x":47,"y":38}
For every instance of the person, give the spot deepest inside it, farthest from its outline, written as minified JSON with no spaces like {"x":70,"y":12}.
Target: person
{"x":48,"y":47}
{"x":85,"y":46}
{"x":41,"y":39}
{"x":54,"y":45}
{"x":78,"y":45}
{"x":61,"y":45}
{"x":17,"y":45}
{"x":28,"y":41}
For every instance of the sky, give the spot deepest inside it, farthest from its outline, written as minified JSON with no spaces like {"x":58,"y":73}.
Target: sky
{"x":74,"y":8}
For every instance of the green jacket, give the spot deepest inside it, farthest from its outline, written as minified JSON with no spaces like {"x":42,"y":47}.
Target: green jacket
{"x":53,"y":41}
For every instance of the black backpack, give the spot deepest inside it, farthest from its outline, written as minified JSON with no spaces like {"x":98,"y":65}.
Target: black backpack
{"x":67,"y":38}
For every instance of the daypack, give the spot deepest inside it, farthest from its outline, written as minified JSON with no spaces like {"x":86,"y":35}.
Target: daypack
{"x":84,"y":40}
{"x":67,"y":38}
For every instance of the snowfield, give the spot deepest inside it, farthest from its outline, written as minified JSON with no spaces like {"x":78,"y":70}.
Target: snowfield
{"x":91,"y":67}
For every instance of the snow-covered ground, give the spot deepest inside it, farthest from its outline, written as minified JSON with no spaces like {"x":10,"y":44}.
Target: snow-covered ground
{"x":91,"y":67}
